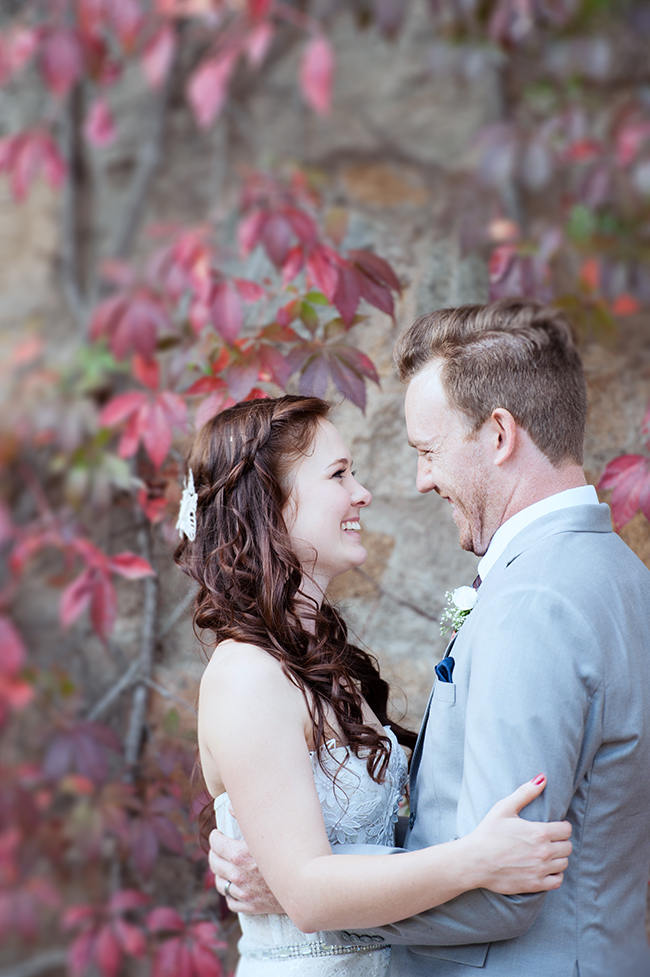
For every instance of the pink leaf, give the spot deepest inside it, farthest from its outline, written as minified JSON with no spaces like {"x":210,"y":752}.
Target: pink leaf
{"x":293,"y":263}
{"x":226,"y":311}
{"x":13,"y":649}
{"x":258,"y":8}
{"x":164,"y":918}
{"x":80,"y":954}
{"x":22,"y":43}
{"x":625,"y":304}
{"x":359,"y":362}
{"x":127,"y":18}
{"x":137,"y":328}
{"x":276,"y":237}
{"x":76,"y":915}
{"x":61,"y":62}
{"x":127,"y":899}
{"x":347,"y":294}
{"x":315,"y":377}
{"x":248,"y":233}
{"x":75,"y":598}
{"x":166,"y":961}
{"x":241,"y":378}
{"x":208,"y":87}
{"x":144,"y":847}
{"x":108,"y":954}
{"x":103,"y":606}
{"x":155,"y":431}
{"x":629,"y":479}
{"x":146,"y":371}
{"x":500,"y":261}
{"x":348,"y":382}
{"x":249,"y":291}
{"x":212,"y":404}
{"x":130,"y":437}
{"x":323,"y":272}
{"x":99,"y":127}
{"x":376,"y":294}
{"x":205,"y":961}
{"x":258,"y":42}
{"x":175,"y":407}
{"x":316,"y":74}
{"x":120,"y":407}
{"x":131,"y":566}
{"x":376,"y":267}
{"x":130,"y":938}
{"x":629,"y":140}
{"x":302,"y":225}
{"x":158,"y":55}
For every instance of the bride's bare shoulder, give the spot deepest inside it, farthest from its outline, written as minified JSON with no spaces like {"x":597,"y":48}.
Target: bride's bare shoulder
{"x":237,"y":664}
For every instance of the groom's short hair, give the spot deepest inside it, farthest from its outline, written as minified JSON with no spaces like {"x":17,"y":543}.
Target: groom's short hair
{"x":515,"y":354}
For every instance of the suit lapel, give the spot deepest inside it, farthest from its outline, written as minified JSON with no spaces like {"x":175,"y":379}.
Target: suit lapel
{"x":417,"y":752}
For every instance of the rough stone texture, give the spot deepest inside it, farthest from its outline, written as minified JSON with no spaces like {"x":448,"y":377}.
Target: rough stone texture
{"x":388,"y":154}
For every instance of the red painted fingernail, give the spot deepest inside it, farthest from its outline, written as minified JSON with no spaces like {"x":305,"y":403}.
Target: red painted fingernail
{"x":539,"y":779}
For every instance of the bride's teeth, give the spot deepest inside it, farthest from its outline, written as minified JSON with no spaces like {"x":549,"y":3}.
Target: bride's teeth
{"x":352,"y":525}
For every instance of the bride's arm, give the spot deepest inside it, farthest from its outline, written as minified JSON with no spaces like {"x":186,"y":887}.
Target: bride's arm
{"x":252,"y":723}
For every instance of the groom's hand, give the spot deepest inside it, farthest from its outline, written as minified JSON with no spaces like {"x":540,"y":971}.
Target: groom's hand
{"x":237,"y":877}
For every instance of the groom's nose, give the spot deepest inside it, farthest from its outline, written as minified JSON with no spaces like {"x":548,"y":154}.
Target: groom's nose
{"x":424,"y":480}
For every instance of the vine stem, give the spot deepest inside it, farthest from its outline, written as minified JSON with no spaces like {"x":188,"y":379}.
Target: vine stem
{"x":137,"y":718}
{"x":40,"y":964}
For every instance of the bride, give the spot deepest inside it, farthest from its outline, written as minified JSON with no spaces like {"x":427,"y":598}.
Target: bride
{"x":294,"y":737}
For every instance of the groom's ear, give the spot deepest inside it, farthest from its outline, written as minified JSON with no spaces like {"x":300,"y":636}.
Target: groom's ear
{"x":503,"y":434}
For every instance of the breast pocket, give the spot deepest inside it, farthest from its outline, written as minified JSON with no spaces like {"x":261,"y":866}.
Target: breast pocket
{"x":444,"y":693}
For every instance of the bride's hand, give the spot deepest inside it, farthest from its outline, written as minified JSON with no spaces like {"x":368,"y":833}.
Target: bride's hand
{"x":515,"y":855}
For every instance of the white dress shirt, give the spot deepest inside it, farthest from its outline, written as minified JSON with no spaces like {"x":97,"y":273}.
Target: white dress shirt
{"x":581,"y":495}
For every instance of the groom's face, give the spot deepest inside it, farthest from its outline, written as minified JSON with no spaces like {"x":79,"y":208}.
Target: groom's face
{"x":452,"y":460}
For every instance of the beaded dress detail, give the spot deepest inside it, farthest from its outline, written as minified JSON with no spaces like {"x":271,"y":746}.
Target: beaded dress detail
{"x":356,"y":810}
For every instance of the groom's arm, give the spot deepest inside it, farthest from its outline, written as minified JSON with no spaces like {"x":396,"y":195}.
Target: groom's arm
{"x":530,"y":705}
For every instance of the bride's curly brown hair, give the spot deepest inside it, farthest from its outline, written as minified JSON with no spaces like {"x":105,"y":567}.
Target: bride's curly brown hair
{"x":249,"y":577}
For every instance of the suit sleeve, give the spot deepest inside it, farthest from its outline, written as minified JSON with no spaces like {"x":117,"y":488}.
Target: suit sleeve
{"x":531,"y":708}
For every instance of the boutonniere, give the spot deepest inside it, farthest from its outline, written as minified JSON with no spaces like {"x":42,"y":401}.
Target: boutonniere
{"x":459,"y":604}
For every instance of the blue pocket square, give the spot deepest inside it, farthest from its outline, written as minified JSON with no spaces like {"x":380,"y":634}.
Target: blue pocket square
{"x":445,"y":669}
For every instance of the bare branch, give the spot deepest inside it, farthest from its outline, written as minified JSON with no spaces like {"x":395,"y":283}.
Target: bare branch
{"x":71,"y":274}
{"x":396,"y":600}
{"x":148,"y":162}
{"x":40,"y":964}
{"x":137,"y":719}
{"x":177,"y":613}
{"x":124,"y":682}
{"x":166,"y":694}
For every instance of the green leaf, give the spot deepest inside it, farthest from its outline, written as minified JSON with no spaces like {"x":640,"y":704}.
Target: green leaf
{"x":316,"y":298}
{"x":309,"y":316}
{"x":582,"y":223}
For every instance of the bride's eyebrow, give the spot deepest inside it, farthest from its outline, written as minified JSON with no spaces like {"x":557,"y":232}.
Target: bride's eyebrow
{"x":338,"y":462}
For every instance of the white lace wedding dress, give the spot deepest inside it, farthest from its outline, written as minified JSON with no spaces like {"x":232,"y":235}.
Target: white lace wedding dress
{"x":357,"y":810}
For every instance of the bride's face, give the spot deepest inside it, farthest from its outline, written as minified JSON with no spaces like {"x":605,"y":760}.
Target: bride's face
{"x":323,"y":510}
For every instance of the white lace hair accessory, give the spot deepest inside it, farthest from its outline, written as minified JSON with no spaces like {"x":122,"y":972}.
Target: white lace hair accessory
{"x":186,"y":522}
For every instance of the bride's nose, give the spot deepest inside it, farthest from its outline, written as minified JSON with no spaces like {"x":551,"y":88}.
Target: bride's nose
{"x":361,"y":496}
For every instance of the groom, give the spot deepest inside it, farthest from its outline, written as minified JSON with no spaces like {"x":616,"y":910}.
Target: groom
{"x":551,"y":669}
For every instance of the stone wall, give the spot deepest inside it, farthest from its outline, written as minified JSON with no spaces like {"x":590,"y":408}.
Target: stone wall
{"x":389,"y":153}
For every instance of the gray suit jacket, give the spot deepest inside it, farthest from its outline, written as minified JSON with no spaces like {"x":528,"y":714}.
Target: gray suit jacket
{"x":552,"y":675}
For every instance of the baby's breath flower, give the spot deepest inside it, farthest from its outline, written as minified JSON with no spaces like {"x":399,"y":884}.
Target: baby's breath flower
{"x":459,"y":603}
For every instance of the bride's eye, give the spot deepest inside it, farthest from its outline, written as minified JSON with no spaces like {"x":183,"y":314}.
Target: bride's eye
{"x":340,"y":473}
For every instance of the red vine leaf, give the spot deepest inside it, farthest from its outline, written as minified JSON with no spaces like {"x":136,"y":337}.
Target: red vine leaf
{"x":316,"y":74}
{"x":628,"y":477}
{"x":208,"y":86}
{"x":99,"y":127}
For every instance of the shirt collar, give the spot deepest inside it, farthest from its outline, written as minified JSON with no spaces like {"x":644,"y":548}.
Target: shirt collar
{"x":581,"y":495}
